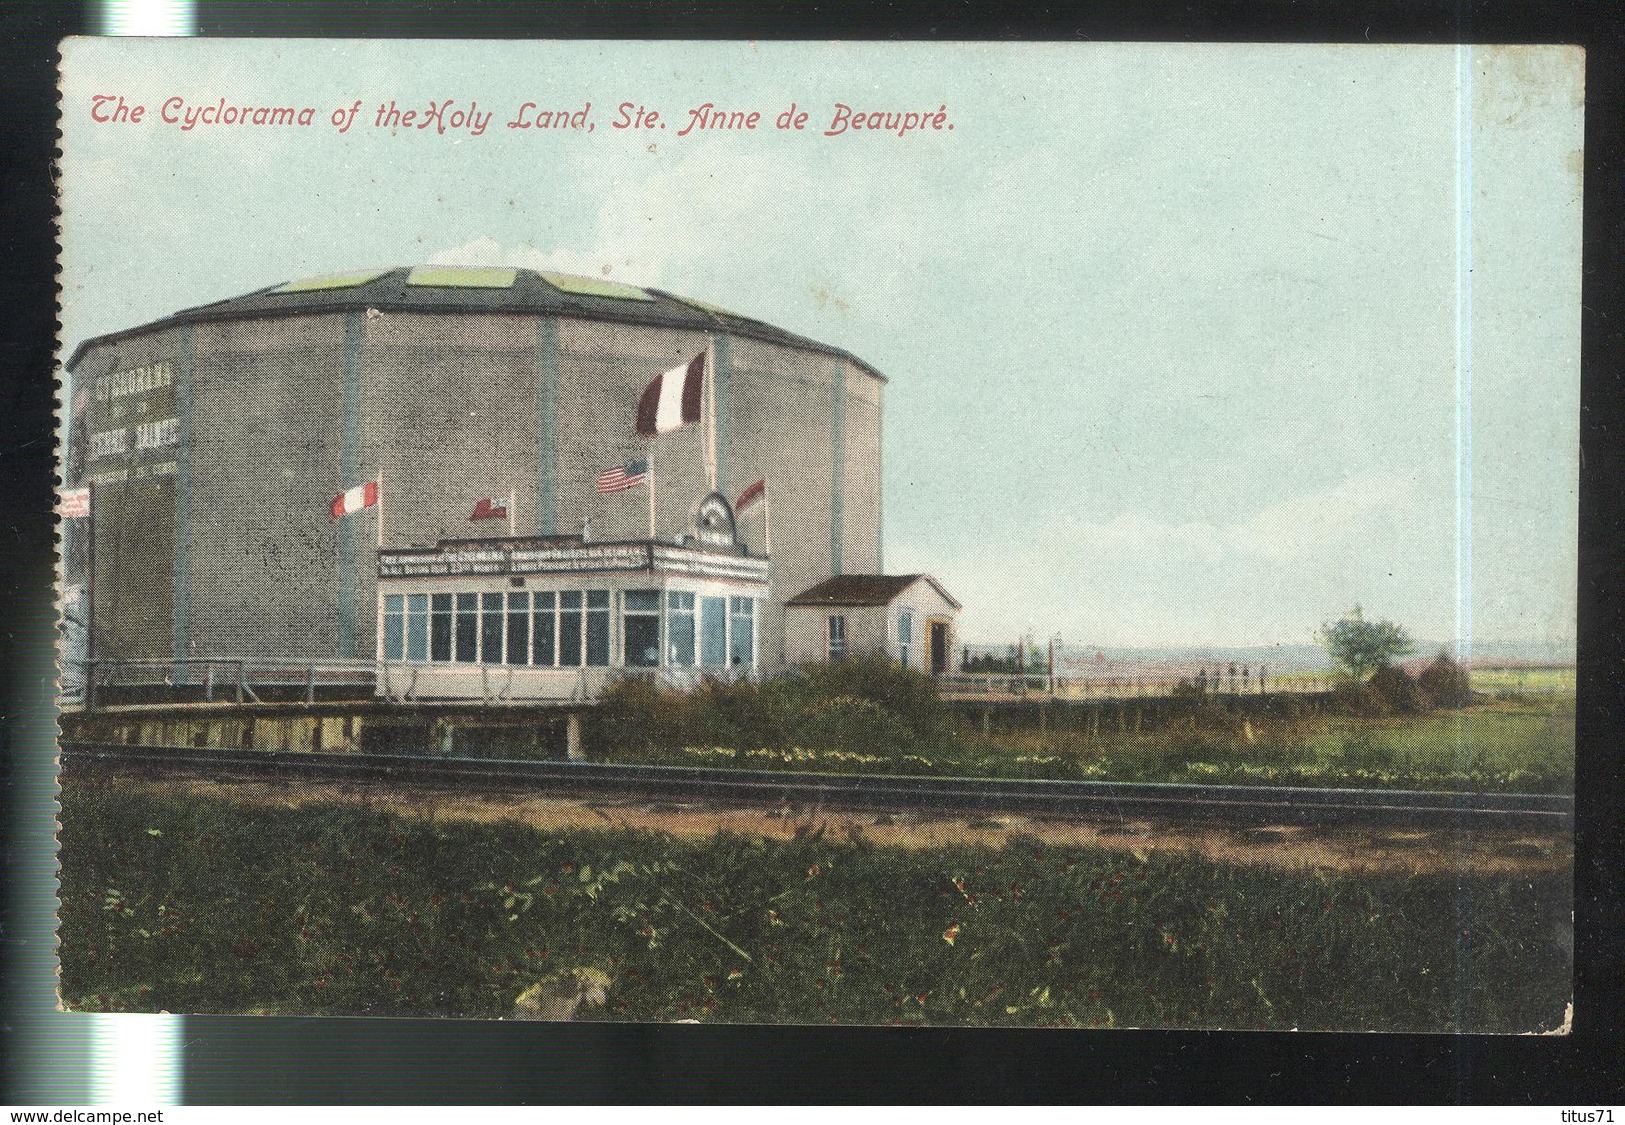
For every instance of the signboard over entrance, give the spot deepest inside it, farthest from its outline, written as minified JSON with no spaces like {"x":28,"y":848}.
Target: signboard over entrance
{"x":714,"y":522}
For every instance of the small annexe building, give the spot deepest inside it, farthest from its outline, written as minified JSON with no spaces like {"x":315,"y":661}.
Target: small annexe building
{"x":908,"y":617}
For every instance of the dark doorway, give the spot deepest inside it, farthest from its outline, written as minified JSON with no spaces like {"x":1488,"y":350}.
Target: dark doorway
{"x":939,"y":647}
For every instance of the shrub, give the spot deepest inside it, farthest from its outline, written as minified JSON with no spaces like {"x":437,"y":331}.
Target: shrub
{"x":1398,"y":690}
{"x":909,"y":695}
{"x":864,"y":705}
{"x":1445,"y":683}
{"x":1361,"y":699}
{"x":741,"y":714}
{"x":640,"y":716}
{"x":857,"y":726}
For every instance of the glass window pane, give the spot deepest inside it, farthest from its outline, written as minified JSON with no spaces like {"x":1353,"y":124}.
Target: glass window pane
{"x":440,"y":630}
{"x":598,"y":636}
{"x":542,"y":633}
{"x":491,"y":629}
{"x":597,"y":599}
{"x":713,"y":632}
{"x":518,"y":636}
{"x":642,"y":640}
{"x":680,"y":632}
{"x":570,"y":599}
{"x":468,"y":627}
{"x":417,"y":631}
{"x":640,"y":628}
{"x":570,"y":637}
{"x":417,"y":603}
{"x":393,"y":603}
{"x":519,"y":601}
{"x":441,"y":603}
{"x":740,"y":638}
{"x":544,"y":601}
{"x":394,"y":636}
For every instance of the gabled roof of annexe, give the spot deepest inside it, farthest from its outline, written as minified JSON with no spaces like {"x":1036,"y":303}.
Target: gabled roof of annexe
{"x":865,"y":590}
{"x":479,"y":289}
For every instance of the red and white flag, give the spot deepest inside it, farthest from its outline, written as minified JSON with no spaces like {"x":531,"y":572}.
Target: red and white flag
{"x":75,"y":503}
{"x":751,"y":499}
{"x":490,"y":508}
{"x":672,"y":401}
{"x":357,"y":498}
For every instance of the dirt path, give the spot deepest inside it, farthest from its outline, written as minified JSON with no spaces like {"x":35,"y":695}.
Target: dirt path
{"x":1287,"y":846}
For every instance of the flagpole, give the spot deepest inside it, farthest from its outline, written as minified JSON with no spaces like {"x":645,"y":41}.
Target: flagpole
{"x":512,"y":494}
{"x":767,"y":520}
{"x":711,"y":414}
{"x":650,"y":459}
{"x":90,"y":585}
{"x":380,"y":486}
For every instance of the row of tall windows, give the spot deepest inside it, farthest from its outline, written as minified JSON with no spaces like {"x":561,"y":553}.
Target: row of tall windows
{"x":568,"y":629}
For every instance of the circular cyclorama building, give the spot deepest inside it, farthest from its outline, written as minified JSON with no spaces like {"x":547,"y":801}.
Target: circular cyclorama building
{"x":507,"y":547}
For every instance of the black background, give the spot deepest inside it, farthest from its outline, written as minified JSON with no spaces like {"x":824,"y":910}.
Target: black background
{"x":379,"y":1061}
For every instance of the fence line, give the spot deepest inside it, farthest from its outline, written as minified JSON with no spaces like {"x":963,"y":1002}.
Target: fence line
{"x":225,"y":678}
{"x":997,"y":685}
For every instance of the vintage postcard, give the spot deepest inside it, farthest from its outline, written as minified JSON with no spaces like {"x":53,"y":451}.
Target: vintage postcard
{"x":959,"y":534}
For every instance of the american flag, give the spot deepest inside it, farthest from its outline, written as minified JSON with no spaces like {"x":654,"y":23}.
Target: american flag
{"x":623,"y":477}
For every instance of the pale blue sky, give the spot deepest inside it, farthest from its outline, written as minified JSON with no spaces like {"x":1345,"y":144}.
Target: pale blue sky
{"x":1173,"y":332}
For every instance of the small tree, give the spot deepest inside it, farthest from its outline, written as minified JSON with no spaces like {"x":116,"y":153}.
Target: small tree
{"x":1361,"y":647}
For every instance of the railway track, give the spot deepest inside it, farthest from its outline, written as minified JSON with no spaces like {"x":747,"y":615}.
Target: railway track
{"x":1252,"y":805}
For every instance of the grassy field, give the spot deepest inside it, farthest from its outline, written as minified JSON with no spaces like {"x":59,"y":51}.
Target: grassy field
{"x":1533,"y":681}
{"x":206,"y":905}
{"x":1507,"y":747}
{"x":870,"y":716}
{"x":1523,"y":745}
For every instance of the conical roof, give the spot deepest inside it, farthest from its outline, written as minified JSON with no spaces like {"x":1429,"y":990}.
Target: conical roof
{"x":480,"y":289}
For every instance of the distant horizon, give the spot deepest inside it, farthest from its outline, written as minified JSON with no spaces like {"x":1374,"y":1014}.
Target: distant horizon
{"x":1559,"y":652}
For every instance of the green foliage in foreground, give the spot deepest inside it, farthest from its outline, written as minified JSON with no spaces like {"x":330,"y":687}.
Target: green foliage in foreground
{"x":1524,"y":746}
{"x":865,"y":705}
{"x":212,"y":906}
{"x":869,"y":715}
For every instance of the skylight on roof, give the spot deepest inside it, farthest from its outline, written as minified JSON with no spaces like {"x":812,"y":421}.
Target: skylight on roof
{"x":707,"y":306}
{"x":330,"y":281}
{"x":595,"y":287}
{"x":462,"y":277}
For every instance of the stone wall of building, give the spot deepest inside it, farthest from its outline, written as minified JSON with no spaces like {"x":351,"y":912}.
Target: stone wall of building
{"x":231,"y":551}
